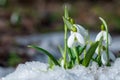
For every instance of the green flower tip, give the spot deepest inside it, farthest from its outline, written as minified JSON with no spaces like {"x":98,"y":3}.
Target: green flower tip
{"x":72,"y":21}
{"x":102,"y":27}
{"x":74,"y":29}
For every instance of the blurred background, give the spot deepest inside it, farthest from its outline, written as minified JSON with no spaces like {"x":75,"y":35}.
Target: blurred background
{"x":25,"y":22}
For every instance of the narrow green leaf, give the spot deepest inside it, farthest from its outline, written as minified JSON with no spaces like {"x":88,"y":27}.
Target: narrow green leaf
{"x":51,"y":64}
{"x":71,"y":53}
{"x":90,"y":53}
{"x":77,"y":55}
{"x":81,"y":49}
{"x":61,"y":50}
{"x":71,"y":56}
{"x":99,"y":60}
{"x":67,"y":23}
{"x":94,"y":60}
{"x":45,"y":52}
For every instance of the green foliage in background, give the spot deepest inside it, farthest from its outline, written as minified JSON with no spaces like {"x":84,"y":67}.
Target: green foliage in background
{"x":14,"y":59}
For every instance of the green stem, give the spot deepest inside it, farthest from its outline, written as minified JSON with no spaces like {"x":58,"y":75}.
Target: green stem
{"x":77,"y":55}
{"x":65,"y":45}
{"x":107,"y":48}
{"x":84,"y":52}
{"x":65,"y":36}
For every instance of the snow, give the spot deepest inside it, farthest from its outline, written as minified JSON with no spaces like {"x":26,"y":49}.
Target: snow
{"x":40,"y":71}
{"x":5,"y":71}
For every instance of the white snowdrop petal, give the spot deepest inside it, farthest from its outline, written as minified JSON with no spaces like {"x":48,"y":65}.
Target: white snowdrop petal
{"x":72,"y":32}
{"x":96,"y":51}
{"x":99,"y":35}
{"x":75,"y":44}
{"x":104,"y":58}
{"x":70,"y":41}
{"x":80,"y":39}
{"x":112,"y":56}
{"x":109,"y":39}
{"x":105,"y":37}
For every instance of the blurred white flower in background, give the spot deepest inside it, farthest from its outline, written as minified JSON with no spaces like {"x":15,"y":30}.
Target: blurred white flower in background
{"x":15,"y":18}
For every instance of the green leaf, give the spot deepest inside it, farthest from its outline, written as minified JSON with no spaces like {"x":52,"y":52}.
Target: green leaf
{"x":71,"y":53}
{"x":14,"y":59}
{"x":81,"y":49}
{"x":45,"y":52}
{"x":90,"y":53}
{"x":51,"y":64}
{"x":71,"y":56}
{"x":61,"y":50}
{"x":68,"y":23}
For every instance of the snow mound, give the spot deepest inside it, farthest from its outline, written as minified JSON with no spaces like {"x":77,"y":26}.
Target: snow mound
{"x":40,"y":71}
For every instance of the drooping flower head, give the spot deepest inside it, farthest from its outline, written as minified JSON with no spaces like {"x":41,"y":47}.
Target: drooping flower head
{"x":77,"y":36}
{"x":102,"y":34}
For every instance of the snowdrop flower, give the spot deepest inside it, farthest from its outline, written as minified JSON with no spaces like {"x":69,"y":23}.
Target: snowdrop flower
{"x":75,"y":39}
{"x":104,"y":57}
{"x":104,"y":35}
{"x":77,"y":36}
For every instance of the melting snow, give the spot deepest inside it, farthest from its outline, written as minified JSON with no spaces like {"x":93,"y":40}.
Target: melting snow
{"x":39,"y":71}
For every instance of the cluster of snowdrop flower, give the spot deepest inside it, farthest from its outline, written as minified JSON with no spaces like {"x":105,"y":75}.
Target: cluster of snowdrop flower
{"x":78,"y":36}
{"x":78,"y":44}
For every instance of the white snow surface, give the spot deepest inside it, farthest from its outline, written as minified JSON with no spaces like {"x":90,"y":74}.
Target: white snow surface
{"x":5,"y":71}
{"x":40,"y":71}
